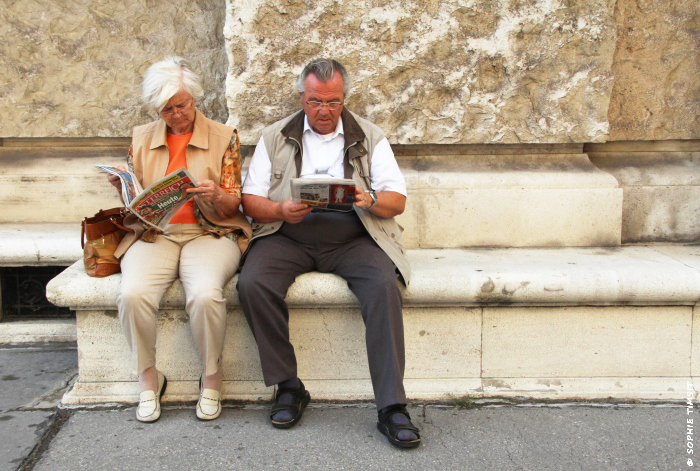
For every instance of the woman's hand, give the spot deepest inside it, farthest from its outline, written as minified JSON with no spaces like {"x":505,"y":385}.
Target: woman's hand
{"x":208,"y":191}
{"x":226,"y":205}
{"x":115,"y":181}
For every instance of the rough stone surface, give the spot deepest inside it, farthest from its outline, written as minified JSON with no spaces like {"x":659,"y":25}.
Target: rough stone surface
{"x":656,"y":94}
{"x":73,"y":69}
{"x":444,"y":72}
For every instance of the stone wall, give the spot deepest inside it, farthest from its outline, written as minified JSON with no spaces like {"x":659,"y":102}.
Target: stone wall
{"x":444,"y":72}
{"x":656,"y":94}
{"x":73,"y":69}
{"x":439,"y":72}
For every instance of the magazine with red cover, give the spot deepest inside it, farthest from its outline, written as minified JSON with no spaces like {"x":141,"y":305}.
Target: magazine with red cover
{"x":158,"y":203}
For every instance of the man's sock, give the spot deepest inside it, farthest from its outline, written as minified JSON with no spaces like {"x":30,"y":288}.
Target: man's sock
{"x":403,"y":435}
{"x":283,"y":415}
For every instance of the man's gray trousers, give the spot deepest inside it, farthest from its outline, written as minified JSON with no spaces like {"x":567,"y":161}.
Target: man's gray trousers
{"x":328,"y":242}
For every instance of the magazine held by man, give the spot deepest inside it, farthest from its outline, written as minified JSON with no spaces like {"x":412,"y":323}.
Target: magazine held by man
{"x":158,"y":203}
{"x":337,"y":194}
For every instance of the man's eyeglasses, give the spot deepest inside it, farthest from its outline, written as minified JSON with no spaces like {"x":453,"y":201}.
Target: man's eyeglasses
{"x":177,"y":110}
{"x":331,"y":105}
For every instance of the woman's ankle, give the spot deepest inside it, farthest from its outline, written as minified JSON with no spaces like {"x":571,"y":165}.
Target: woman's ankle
{"x":148,"y":380}
{"x":214,"y":381}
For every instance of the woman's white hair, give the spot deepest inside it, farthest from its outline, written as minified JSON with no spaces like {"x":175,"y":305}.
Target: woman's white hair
{"x":164,"y":79}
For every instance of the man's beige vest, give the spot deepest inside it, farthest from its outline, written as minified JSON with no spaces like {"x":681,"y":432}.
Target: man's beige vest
{"x":283,"y":144}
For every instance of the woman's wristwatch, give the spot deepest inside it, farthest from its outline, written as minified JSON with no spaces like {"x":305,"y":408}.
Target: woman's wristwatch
{"x":373,"y":195}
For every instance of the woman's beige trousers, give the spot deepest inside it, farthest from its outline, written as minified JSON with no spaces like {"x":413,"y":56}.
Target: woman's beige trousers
{"x":203,"y":263}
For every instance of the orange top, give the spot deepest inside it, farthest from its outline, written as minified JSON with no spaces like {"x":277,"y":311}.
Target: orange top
{"x":177,"y":145}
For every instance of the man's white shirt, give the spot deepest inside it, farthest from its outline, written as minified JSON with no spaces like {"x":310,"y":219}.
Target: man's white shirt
{"x":323,"y":157}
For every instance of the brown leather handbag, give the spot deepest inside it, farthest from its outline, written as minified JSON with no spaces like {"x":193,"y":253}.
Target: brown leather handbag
{"x":99,"y":237}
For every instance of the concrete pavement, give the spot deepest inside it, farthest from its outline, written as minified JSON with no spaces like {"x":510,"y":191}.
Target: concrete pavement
{"x":490,"y":435}
{"x":33,"y":378}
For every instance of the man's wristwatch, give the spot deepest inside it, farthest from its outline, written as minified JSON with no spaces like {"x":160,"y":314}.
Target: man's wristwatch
{"x":373,"y":195}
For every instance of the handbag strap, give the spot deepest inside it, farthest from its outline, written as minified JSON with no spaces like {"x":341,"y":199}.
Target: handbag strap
{"x":95,"y":227}
{"x":122,"y":227}
{"x":106,"y":214}
{"x":82,"y":234}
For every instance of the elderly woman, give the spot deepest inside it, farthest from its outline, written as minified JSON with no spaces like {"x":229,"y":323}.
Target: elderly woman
{"x":201,"y":245}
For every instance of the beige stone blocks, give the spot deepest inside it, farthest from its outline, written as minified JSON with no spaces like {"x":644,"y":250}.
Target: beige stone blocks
{"x":30,"y":331}
{"x":657,"y":388}
{"x":661,"y":188}
{"x":558,"y":323}
{"x":442,"y":343}
{"x":542,"y":352}
{"x":590,"y":352}
{"x":524,"y":200}
{"x":514,"y":218}
{"x":55,"y":183}
{"x":695,"y":356}
{"x":104,"y":354}
{"x":517,"y":199}
{"x":39,"y":244}
{"x":582,"y":342}
{"x":329,"y":344}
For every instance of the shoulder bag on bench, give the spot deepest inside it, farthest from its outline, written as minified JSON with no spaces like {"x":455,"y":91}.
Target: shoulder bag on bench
{"x":100,"y":236}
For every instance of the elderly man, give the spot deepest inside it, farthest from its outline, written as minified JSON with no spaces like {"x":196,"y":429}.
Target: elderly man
{"x":363,"y":246}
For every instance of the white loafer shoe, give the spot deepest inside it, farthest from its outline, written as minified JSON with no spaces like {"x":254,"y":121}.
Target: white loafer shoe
{"x":149,"y":402}
{"x":209,"y":404}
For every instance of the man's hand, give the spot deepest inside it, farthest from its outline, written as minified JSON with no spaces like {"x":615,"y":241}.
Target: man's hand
{"x":362,"y":198}
{"x":389,"y":203}
{"x":265,"y":210}
{"x":115,"y":180}
{"x":292,"y":212}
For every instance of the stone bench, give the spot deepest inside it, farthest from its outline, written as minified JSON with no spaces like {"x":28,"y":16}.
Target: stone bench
{"x":541,"y":323}
{"x":513,"y":195}
{"x":35,"y":244}
{"x":39,"y":244}
{"x":49,"y":187}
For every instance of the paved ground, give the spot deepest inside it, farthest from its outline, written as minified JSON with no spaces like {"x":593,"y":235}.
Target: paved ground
{"x":35,"y":435}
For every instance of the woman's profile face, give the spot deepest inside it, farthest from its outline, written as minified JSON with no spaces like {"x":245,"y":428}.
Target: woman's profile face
{"x":179,"y":111}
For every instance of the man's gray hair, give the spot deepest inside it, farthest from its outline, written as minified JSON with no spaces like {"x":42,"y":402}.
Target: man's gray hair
{"x":164,"y":79}
{"x":324,"y":70}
